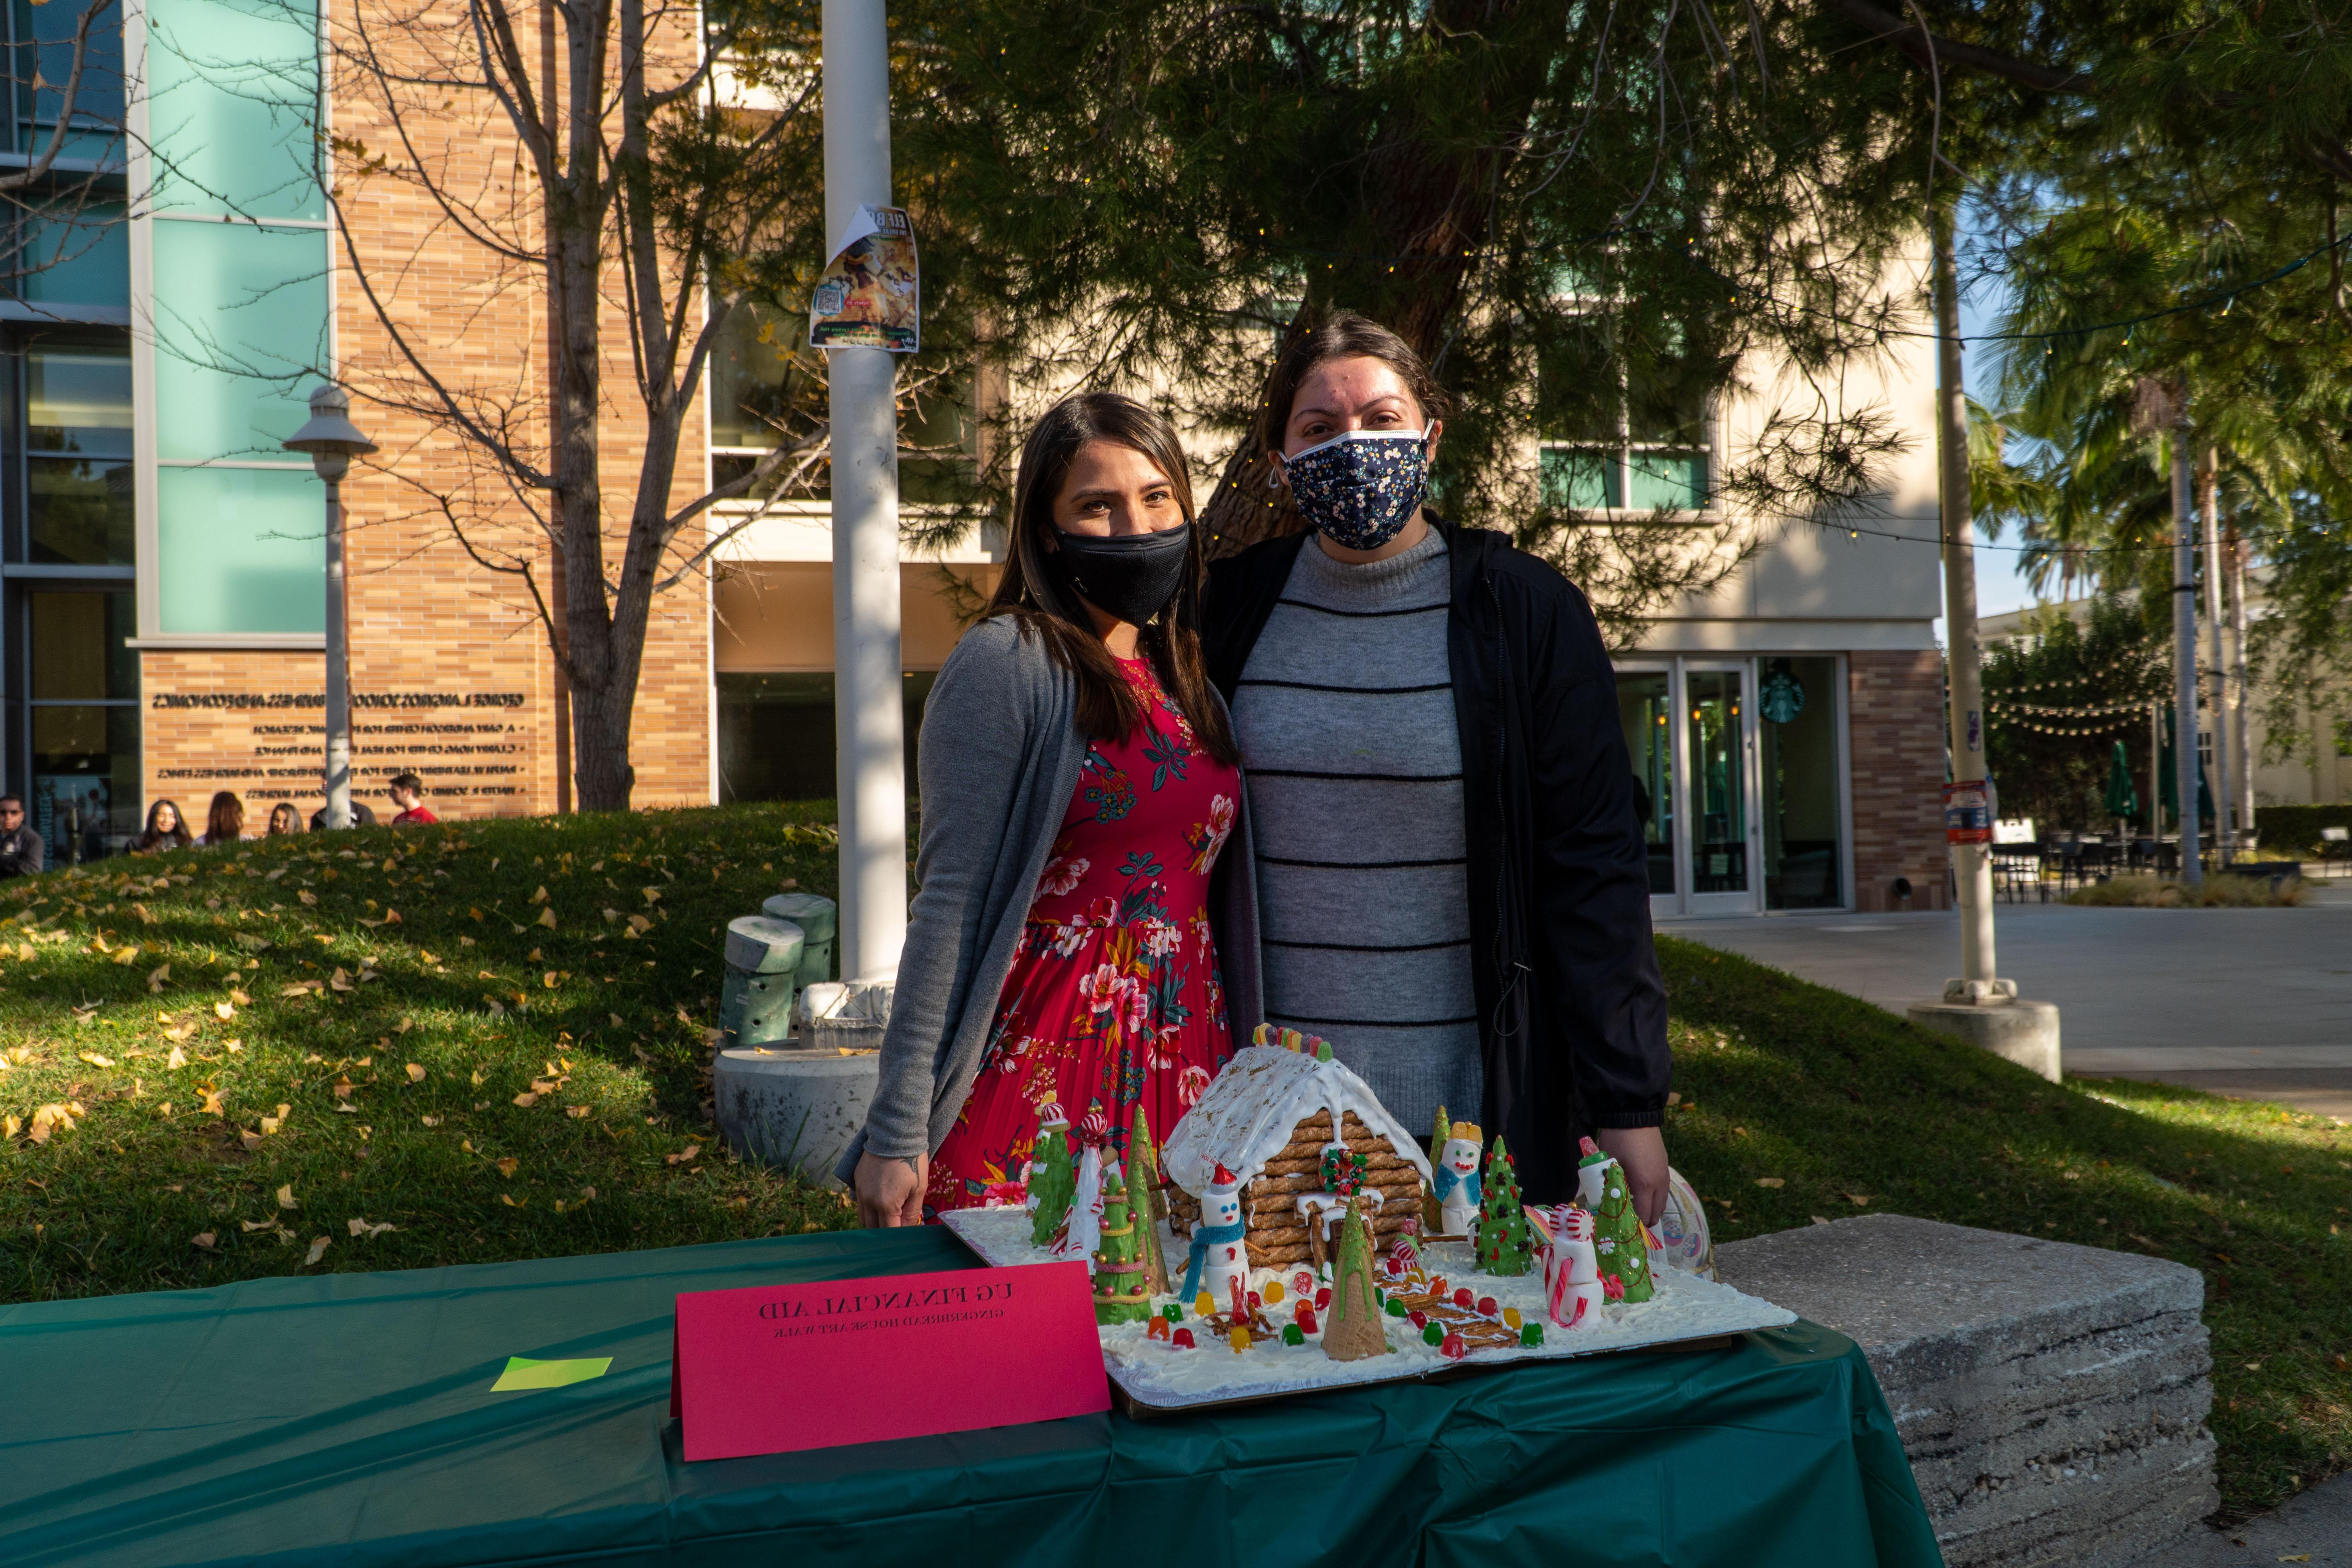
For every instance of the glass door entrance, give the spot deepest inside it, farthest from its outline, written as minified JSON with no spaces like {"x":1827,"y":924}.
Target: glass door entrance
{"x":1736,"y":781}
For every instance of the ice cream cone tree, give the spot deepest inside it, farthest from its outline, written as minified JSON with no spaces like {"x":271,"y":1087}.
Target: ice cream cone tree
{"x":1619,"y":1250}
{"x":1121,"y":1295}
{"x":1504,"y":1245}
{"x":1351,"y":1330}
{"x":1143,"y":1198}
{"x":1053,"y":1176}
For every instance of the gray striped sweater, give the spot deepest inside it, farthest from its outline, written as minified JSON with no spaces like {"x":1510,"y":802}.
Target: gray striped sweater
{"x":1345,"y":717}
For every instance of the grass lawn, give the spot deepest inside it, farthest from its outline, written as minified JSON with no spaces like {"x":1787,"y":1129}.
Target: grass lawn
{"x":254,"y":1057}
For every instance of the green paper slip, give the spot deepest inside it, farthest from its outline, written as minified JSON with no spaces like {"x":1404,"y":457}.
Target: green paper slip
{"x":523,"y":1373}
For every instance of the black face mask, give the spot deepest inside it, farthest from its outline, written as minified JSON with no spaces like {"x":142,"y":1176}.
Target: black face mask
{"x":1130,"y":576}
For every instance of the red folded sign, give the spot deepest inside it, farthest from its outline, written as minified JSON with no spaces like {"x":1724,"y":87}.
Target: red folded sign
{"x":775,"y":1368}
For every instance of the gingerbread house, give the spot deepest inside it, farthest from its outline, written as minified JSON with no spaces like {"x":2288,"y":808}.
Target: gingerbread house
{"x":1269,"y":1119}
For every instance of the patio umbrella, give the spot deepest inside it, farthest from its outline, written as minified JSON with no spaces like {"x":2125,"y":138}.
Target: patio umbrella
{"x":2171,"y":777}
{"x":2122,"y":799}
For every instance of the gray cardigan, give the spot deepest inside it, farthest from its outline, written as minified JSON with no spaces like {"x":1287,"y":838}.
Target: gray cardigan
{"x":999,"y":764}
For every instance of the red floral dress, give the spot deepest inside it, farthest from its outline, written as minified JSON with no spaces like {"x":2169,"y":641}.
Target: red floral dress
{"x":1114,"y":999}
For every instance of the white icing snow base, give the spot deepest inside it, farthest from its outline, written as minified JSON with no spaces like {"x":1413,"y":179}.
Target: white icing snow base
{"x":1154,"y":1372}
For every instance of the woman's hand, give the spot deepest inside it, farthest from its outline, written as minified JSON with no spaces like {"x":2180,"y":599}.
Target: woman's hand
{"x":890,"y":1191}
{"x":1642,"y":1151}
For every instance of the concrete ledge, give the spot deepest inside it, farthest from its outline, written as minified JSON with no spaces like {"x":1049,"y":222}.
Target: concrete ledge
{"x":2025,"y":1033}
{"x":2052,"y":1397}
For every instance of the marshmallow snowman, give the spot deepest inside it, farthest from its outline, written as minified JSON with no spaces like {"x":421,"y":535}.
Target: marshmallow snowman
{"x":1457,"y":1179}
{"x":1573,"y":1289}
{"x":1224,"y":1265}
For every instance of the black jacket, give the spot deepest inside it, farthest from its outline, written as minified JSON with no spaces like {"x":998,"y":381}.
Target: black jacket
{"x":20,"y":853}
{"x":1572,"y":1011}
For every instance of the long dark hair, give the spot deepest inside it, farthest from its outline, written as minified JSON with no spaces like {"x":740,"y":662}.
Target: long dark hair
{"x":1034,"y":593}
{"x":226,"y":822}
{"x":179,"y":838}
{"x":1341,"y":335}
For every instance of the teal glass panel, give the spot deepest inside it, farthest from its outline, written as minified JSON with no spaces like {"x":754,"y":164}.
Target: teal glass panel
{"x":1580,"y":479}
{"x":240,"y":318}
{"x":80,"y":512}
{"x":1677,"y":480}
{"x":76,"y":256}
{"x":233,"y":91}
{"x":240,"y":550}
{"x":49,"y":26}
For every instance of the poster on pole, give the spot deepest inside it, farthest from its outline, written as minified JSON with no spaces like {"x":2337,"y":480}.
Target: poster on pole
{"x":1967,"y":812}
{"x":870,"y":295}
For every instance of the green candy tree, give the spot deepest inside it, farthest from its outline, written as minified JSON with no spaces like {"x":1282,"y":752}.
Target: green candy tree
{"x":1143,"y":1158}
{"x":1121,"y":1295}
{"x":1052,"y":1177}
{"x":1504,"y":1245}
{"x":1619,"y":1250}
{"x":1353,"y":1330}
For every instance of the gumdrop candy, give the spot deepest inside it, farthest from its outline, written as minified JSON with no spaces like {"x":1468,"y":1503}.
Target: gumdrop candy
{"x":1452,"y":1348}
{"x":1323,"y":1299}
{"x":1292,"y":1334}
{"x":1172,"y":1313}
{"x":1256,"y":1300}
{"x":1274,"y":1293}
{"x":1433,"y":1335}
{"x":1419,"y":1317}
{"x":1239,"y":1338}
{"x":1531,"y":1334}
{"x":1437,"y":1286}
{"x":1181,"y":1339}
{"x":1205,"y":1305}
{"x":1461,"y":1298}
{"x":1510,"y":1317}
{"x":1396,"y":1307}
{"x":1156,"y":1328}
{"x":1486,"y":1308}
{"x":1302,"y":1283}
{"x":1306,"y":1318}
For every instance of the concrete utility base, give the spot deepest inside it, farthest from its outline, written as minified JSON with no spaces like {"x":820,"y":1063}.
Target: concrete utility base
{"x":2022,"y":1031}
{"x":2052,"y":1397}
{"x":785,"y":1106}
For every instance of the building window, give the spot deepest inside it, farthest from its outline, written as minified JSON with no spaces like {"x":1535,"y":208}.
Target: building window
{"x":1625,"y":432}
{"x":776,"y":736}
{"x":83,"y":793}
{"x":77,"y":476}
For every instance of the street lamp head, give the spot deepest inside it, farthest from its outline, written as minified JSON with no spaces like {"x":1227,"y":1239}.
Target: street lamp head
{"x":330,"y":437}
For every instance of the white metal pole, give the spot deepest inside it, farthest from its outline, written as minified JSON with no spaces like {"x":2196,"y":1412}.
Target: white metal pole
{"x":2225,"y":820}
{"x":338,"y":686}
{"x":2240,"y":693}
{"x":1971,"y":863}
{"x":869,"y":684}
{"x":2184,"y":652}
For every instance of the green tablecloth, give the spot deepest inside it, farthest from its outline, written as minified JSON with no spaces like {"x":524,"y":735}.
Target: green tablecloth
{"x":348,"y":1419}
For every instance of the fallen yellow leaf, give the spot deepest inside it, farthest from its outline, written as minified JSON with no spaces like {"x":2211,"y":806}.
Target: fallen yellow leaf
{"x":430,"y":1120}
{"x":416,"y":1073}
{"x":48,"y":1120}
{"x":127,"y":956}
{"x":508,"y":1199}
{"x":541,"y":896}
{"x":526,"y":1100}
{"x":319,"y":1245}
{"x":157,"y":976}
{"x":507,"y":1166}
{"x":1771,"y":1181}
{"x":306,"y":895}
{"x":94,"y":1059}
{"x":164,"y":1109}
{"x":253,"y":1224}
{"x":285,"y":1197}
{"x":576,"y":1111}
{"x":406,"y":1023}
{"x":183,"y":1031}
{"x":547,"y":918}
{"x":359,"y":1227}
{"x":270,"y":1124}
{"x":205,"y":1239}
{"x":240,"y":998}
{"x":211,"y":1105}
{"x":548,"y":980}
{"x":341,"y":979}
{"x":223,"y":1011}
{"x":178,"y":1058}
{"x":616,"y":1020}
{"x":691,"y":1152}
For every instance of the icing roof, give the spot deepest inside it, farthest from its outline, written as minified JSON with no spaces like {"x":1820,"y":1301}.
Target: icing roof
{"x":1249,"y":1111}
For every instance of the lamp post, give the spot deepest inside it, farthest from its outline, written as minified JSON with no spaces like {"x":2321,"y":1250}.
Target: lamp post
{"x":333,"y":441}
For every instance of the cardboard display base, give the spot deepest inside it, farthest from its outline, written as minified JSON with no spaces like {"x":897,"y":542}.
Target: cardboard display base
{"x":1153,"y":1376}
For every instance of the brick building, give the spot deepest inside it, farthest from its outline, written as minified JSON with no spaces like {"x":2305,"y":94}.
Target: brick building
{"x":161,"y":628}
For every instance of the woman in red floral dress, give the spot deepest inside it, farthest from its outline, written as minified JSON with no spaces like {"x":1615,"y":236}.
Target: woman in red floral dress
{"x":1079,"y":783}
{"x":1114,"y":1000}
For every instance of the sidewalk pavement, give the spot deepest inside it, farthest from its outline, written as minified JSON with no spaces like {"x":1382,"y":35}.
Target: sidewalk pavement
{"x":2314,"y":1527}
{"x":2252,"y":1002}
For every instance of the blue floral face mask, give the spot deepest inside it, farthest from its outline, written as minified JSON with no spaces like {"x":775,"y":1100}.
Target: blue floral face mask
{"x":1359,"y":488}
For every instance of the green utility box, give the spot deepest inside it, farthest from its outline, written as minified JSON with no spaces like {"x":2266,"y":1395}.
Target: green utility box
{"x":815,"y":917}
{"x":764,"y":961}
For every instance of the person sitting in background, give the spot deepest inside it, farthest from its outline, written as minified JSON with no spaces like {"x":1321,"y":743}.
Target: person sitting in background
{"x":20,"y":847}
{"x":362,"y":817}
{"x":164,"y":830}
{"x":408,"y":794}
{"x":284,"y":818}
{"x":224,"y":822}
